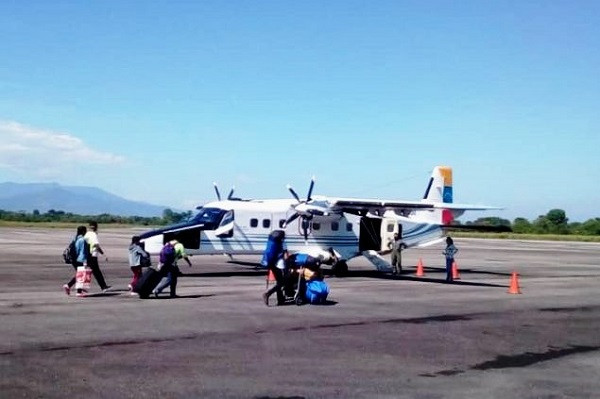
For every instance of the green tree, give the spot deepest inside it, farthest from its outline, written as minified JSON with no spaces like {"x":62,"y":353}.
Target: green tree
{"x":491,"y":221}
{"x":522,"y":226}
{"x":557,"y":220}
{"x":591,"y":227}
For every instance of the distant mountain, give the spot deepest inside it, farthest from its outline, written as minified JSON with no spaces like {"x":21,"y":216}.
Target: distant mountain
{"x":80,"y":200}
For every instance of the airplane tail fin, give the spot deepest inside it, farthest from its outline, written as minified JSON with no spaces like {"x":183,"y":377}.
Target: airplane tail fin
{"x":439,"y":191}
{"x":439,"y":188}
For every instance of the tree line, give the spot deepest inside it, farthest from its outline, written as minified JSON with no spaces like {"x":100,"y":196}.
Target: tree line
{"x":554,"y":222}
{"x":56,"y":216}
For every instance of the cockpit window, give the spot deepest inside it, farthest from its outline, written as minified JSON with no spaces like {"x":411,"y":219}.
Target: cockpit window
{"x":228,"y":218}
{"x":210,"y":217}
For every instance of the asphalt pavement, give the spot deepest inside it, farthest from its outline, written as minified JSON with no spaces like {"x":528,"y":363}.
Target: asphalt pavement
{"x":377,"y":336}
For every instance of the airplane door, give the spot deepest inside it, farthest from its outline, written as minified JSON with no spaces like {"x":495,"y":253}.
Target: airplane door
{"x":389,"y":226}
{"x":370,"y":234}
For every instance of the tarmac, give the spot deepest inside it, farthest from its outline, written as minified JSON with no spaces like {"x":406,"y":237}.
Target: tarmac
{"x":377,"y":336}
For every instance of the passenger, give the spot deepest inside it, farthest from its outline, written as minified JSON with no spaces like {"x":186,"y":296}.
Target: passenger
{"x":396,"y":255}
{"x":449,"y":252}
{"x":91,"y":237}
{"x":81,"y":248}
{"x":138,"y":258}
{"x":170,"y":269}
{"x":274,"y":258}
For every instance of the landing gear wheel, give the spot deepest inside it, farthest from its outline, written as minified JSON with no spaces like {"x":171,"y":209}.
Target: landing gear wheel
{"x":340,"y":269}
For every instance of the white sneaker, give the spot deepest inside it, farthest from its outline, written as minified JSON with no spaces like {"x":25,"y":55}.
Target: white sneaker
{"x":130,"y":287}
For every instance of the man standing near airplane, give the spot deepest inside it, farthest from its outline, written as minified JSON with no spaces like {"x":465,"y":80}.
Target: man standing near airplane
{"x":396,"y":256}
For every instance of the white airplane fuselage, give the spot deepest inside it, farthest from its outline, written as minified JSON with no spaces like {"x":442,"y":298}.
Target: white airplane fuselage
{"x":242,"y":227}
{"x":351,"y":227}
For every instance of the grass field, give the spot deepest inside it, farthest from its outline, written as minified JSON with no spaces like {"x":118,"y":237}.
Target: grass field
{"x":515,"y":236}
{"x":57,"y":225}
{"x":506,"y":236}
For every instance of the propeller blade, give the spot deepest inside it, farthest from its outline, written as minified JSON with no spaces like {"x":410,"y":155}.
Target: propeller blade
{"x":310,"y":189}
{"x":230,"y":196}
{"x":217,"y":191}
{"x":293,"y":193}
{"x":291,"y":219}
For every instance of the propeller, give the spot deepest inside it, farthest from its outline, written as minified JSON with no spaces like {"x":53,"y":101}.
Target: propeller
{"x":303,"y":209}
{"x":217,"y":191}
{"x":229,"y":196}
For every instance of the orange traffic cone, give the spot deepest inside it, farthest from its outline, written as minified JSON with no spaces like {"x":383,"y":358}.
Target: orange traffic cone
{"x":514,"y":284}
{"x":420,"y":272}
{"x":455,"y":275}
{"x":270,"y":277}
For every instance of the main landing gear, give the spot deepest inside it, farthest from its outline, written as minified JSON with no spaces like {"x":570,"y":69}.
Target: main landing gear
{"x":340,"y":268}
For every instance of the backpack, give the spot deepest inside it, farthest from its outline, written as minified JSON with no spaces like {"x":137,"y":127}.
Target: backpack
{"x":304,"y":260}
{"x":70,"y":254}
{"x":167,"y":254}
{"x":316,"y":291}
{"x":272,"y":252}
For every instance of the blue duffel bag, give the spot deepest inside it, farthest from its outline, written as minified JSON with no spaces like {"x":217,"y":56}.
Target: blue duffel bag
{"x":316,"y":291}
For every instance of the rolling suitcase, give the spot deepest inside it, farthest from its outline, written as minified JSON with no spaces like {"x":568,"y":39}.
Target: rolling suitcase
{"x":147,"y":282}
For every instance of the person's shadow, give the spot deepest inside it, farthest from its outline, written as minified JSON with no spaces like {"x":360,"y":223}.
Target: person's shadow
{"x":183,"y":296}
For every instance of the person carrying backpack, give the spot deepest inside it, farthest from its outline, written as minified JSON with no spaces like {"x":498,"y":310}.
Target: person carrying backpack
{"x":169,"y":255}
{"x":80,"y":257}
{"x":274,"y":258}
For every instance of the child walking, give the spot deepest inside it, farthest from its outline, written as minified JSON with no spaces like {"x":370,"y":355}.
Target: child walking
{"x":138,"y":258}
{"x":450,"y":251}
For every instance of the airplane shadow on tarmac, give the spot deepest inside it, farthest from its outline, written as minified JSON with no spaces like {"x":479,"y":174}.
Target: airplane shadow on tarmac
{"x":406,"y":275}
{"x":409,"y":275}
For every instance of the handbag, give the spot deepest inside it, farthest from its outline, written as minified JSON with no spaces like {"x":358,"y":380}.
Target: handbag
{"x":83,"y":278}
{"x":145,"y":261}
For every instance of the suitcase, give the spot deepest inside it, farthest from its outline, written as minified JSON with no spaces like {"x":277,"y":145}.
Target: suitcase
{"x":147,"y":282}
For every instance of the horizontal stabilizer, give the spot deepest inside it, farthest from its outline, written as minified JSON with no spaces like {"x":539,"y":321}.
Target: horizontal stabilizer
{"x":465,"y":207}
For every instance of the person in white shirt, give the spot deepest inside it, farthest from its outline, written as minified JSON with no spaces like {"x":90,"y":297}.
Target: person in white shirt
{"x":91,"y":237}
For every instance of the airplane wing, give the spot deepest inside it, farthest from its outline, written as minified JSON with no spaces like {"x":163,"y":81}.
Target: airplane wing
{"x":358,"y":206}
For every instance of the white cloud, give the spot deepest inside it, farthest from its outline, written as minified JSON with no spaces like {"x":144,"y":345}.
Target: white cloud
{"x":44,"y":153}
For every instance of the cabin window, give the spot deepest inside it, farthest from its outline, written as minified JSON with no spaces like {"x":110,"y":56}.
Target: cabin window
{"x":253,"y":222}
{"x":316,"y":226}
{"x":335,"y":226}
{"x":348,"y":226}
{"x":266,"y":223}
{"x":281,"y":223}
{"x":390,"y":228}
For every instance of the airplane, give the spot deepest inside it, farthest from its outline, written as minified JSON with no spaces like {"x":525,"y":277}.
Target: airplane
{"x":351,"y":227}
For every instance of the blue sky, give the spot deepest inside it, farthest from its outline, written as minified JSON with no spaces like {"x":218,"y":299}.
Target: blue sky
{"x":156,"y":100}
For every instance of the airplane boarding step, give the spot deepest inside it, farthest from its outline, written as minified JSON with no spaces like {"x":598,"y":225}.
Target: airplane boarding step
{"x":380,"y":263}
